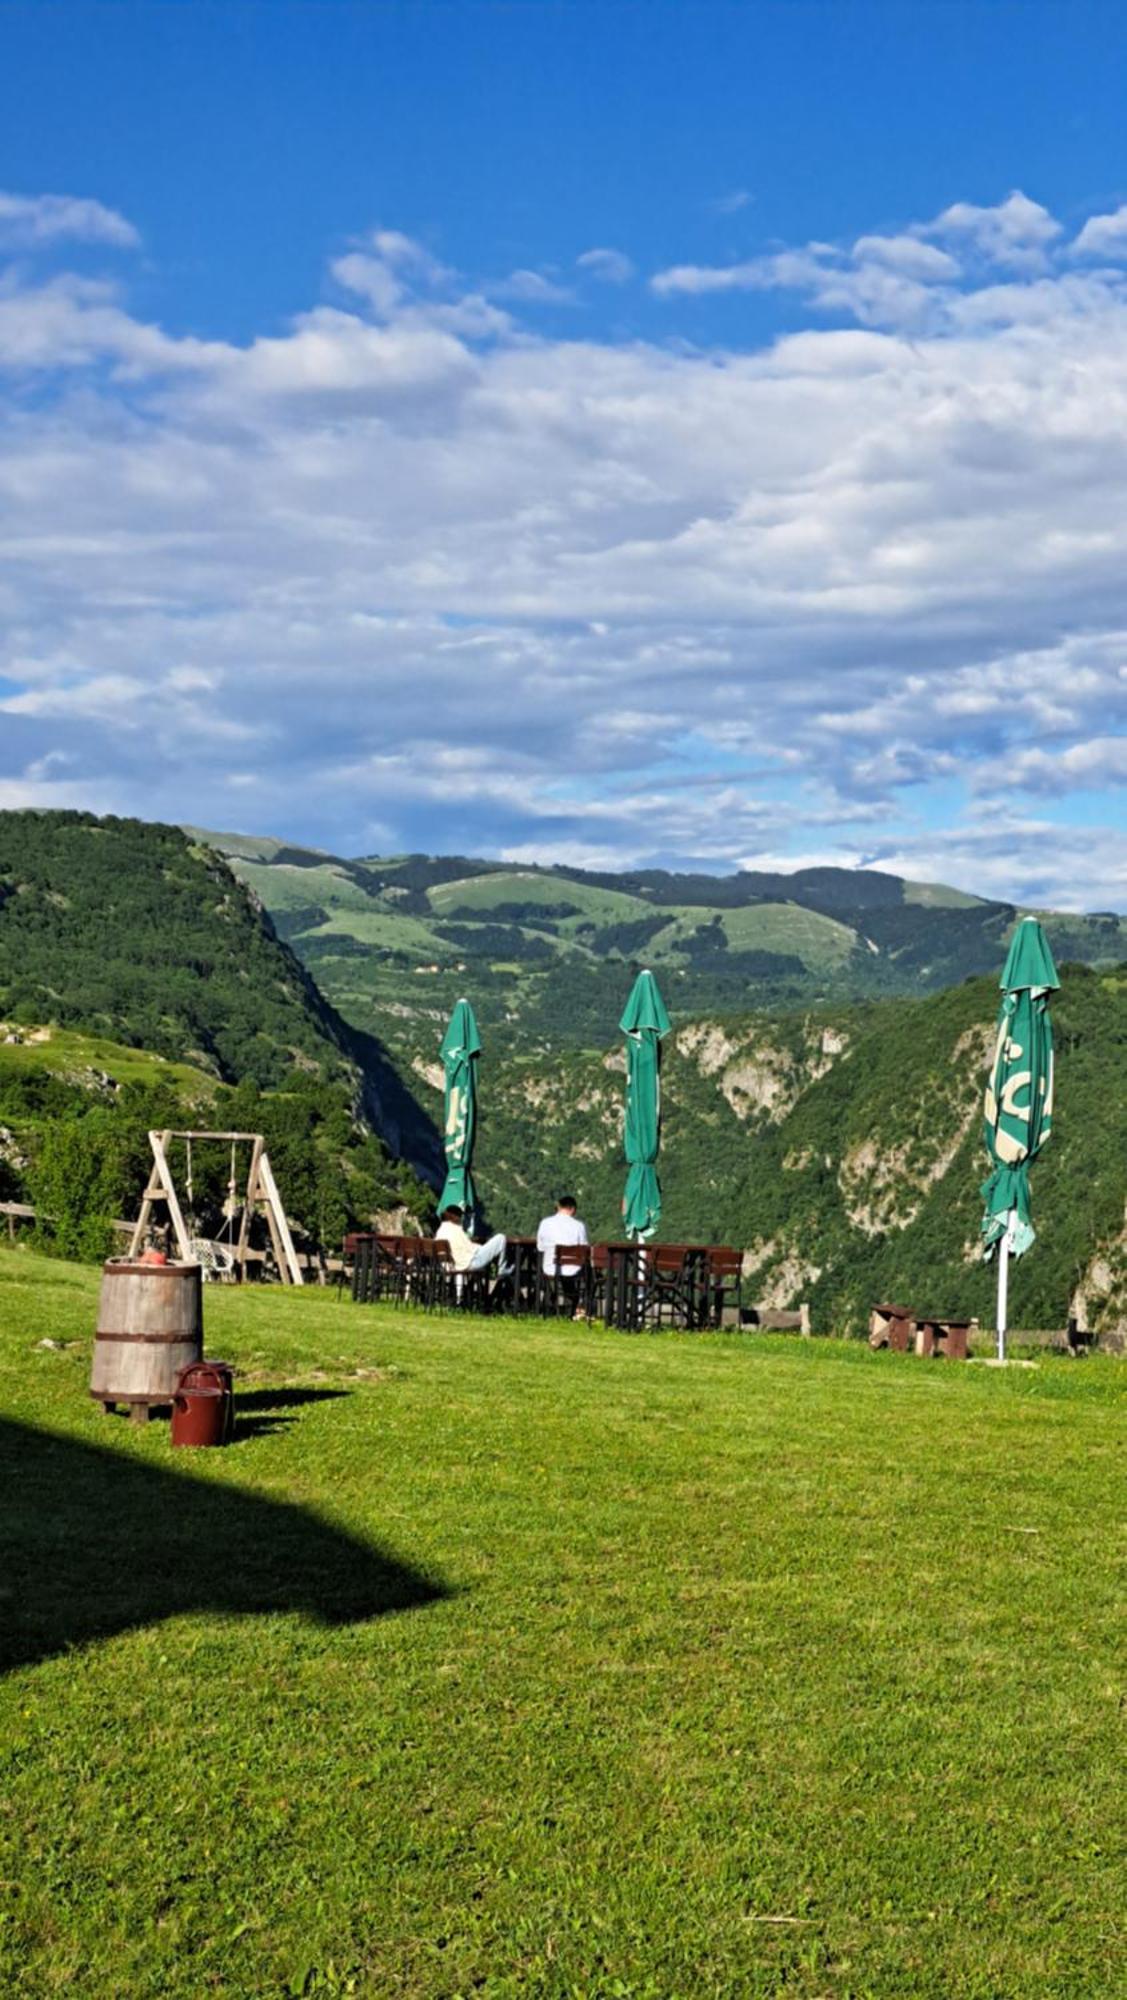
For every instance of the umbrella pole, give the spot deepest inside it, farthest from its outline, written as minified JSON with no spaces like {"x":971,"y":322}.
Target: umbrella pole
{"x":1003,"y":1287}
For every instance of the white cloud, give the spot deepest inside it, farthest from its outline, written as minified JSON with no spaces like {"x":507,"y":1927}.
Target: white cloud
{"x":333,"y":353}
{"x":887,"y":279}
{"x":531,"y":288}
{"x":612,"y":266}
{"x":908,"y":255}
{"x":1101,"y":762}
{"x":404,"y":253}
{"x":28,"y":220}
{"x":878,"y":288}
{"x":372,"y":278}
{"x":698,"y":279}
{"x":1103,"y":235}
{"x":731,"y":204}
{"x":1034,"y":862}
{"x":42,"y":768}
{"x":32,"y":792}
{"x":389,"y":269}
{"x":1015,"y":232}
{"x":72,"y":322}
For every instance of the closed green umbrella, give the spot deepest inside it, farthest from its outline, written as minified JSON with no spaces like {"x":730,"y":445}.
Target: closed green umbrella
{"x":643,"y":1024}
{"x":460,"y":1049}
{"x":1019,"y":1101}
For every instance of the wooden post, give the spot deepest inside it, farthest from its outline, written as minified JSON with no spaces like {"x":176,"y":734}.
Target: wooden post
{"x":279,"y":1227}
{"x":161,"y":1188}
{"x":244,"y":1222}
{"x":257,"y":1196}
{"x":153,"y":1192}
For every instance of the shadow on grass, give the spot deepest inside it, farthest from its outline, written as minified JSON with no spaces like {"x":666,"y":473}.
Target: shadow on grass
{"x":94,"y":1542}
{"x":282,"y":1398}
{"x":256,"y":1427}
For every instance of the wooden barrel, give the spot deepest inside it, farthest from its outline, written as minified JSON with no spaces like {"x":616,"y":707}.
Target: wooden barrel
{"x":150,"y":1325}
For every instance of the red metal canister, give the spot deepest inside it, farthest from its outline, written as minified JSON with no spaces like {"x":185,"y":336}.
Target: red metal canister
{"x":226,"y":1372}
{"x":202,"y":1405}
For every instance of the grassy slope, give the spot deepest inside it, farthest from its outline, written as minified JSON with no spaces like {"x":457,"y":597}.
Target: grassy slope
{"x":765,"y":1668}
{"x":284,"y":886}
{"x":821,"y":942}
{"x":485,"y":892}
{"x":253,"y":846}
{"x":66,"y":1053}
{"x":939,"y":896}
{"x":385,"y":928}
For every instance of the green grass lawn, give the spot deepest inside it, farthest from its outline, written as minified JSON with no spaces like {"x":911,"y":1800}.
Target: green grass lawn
{"x":535,"y":1660}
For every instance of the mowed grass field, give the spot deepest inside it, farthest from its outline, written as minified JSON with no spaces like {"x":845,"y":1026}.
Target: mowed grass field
{"x":500,"y":1659}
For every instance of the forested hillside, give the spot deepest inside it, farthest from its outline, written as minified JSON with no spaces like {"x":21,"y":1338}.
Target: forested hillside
{"x":134,"y":936}
{"x":131,"y":930}
{"x":842,"y":1148}
{"x":136,"y":932}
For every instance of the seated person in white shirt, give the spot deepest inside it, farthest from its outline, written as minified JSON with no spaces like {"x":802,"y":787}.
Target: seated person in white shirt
{"x":564,"y":1227}
{"x":465,"y":1254}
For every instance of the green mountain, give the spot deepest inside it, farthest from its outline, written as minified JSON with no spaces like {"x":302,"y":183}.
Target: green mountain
{"x":800,"y":1003}
{"x":133,"y":931}
{"x":139,"y":933}
{"x":833,"y":1134}
{"x":136,"y":973}
{"x":393,"y":940}
{"x":840,"y":1147}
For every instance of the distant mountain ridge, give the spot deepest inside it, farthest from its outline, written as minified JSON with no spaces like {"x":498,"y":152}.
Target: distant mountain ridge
{"x":753,"y":938}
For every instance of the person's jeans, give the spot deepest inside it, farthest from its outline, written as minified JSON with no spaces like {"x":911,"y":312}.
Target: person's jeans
{"x":488,"y":1253}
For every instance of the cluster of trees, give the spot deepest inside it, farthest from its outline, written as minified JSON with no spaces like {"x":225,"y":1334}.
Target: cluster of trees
{"x":708,"y":950}
{"x":87,"y":1158}
{"x":547,"y":916}
{"x":497,"y":941}
{"x":624,"y":939}
{"x":305,"y":917}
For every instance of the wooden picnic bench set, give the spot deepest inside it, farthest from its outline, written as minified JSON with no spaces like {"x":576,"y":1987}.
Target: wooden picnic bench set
{"x":906,"y":1331}
{"x":634,"y":1287}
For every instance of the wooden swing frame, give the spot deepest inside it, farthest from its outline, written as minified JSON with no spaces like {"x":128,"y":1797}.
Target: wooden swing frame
{"x":261,"y":1191}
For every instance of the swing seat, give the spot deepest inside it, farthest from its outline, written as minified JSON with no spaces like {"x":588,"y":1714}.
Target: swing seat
{"x":216,"y":1261}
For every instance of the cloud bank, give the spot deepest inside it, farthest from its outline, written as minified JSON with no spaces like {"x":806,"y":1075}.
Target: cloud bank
{"x":416,"y":573}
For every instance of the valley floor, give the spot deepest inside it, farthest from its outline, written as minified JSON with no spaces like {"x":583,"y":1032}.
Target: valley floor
{"x":509,"y":1659}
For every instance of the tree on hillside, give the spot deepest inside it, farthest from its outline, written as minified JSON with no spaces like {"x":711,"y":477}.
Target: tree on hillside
{"x":79,"y":1183}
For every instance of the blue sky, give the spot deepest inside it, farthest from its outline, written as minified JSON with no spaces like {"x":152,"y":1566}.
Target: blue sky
{"x":618,"y":434}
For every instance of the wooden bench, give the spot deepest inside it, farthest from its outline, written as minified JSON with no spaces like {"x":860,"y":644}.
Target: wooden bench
{"x":892,"y":1326}
{"x":943,"y":1337}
